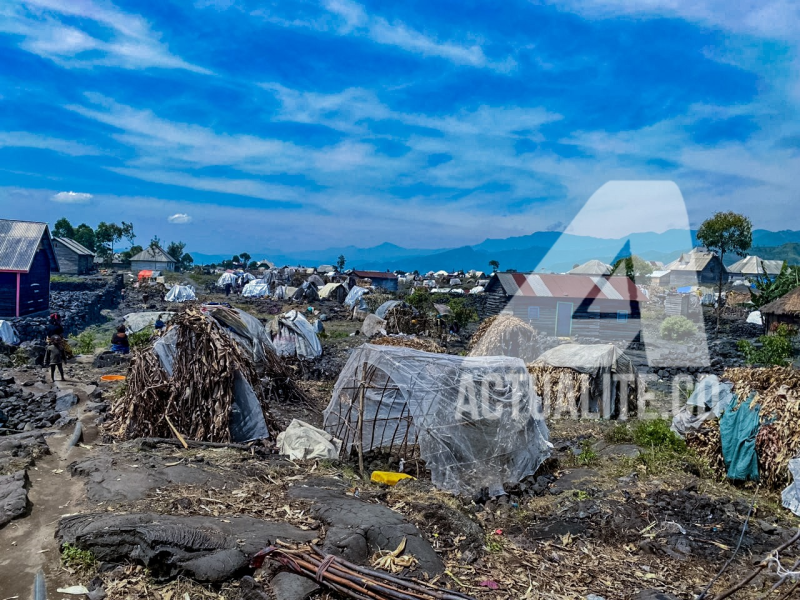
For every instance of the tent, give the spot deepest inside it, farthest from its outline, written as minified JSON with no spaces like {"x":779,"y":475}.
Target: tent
{"x":255,"y":289}
{"x":333,"y":291}
{"x":135,"y":322}
{"x":225,"y":279}
{"x":292,"y":335}
{"x":316,"y":280}
{"x":587,"y":378}
{"x":307,"y":291}
{"x":354,"y":296}
{"x":244,"y":328}
{"x":8,"y":335}
{"x":478,"y":289}
{"x":180,"y":293}
{"x":248,"y":277}
{"x":475,"y":420}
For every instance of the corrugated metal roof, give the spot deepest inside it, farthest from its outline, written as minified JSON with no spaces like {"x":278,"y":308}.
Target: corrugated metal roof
{"x":570,"y":286}
{"x":752,"y":265}
{"x":19,"y":241}
{"x":153,"y":254}
{"x":696,"y":260}
{"x":592,"y":267}
{"x":74,"y":246}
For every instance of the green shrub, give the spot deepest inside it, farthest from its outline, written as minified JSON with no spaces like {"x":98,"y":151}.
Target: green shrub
{"x":677,"y":328}
{"x":85,"y":343}
{"x":587,"y":456}
{"x":620,"y":433}
{"x":420,"y":299}
{"x":75,"y":558}
{"x":463,"y":313}
{"x":775,"y":349}
{"x":656,"y":433}
{"x":140,"y":338}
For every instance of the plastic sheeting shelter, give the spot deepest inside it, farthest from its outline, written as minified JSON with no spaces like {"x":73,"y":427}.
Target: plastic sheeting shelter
{"x":248,"y":277}
{"x":135,"y":322}
{"x":225,"y":279}
{"x":307,"y":291}
{"x":354,"y":296}
{"x":387,"y":306}
{"x":476,"y":420}
{"x":255,"y":289}
{"x":293,"y":335}
{"x":8,"y":335}
{"x":244,"y":327}
{"x":180,"y":293}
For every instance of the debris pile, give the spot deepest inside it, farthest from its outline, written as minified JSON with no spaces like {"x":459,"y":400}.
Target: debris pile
{"x":400,"y":317}
{"x":507,"y":335}
{"x":24,"y":409}
{"x":409,"y":341}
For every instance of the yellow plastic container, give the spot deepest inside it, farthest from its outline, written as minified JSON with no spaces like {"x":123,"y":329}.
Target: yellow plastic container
{"x":388,"y":477}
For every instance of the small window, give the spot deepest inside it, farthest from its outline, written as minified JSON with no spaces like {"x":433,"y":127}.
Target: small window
{"x":533,"y":312}
{"x":622,"y":316}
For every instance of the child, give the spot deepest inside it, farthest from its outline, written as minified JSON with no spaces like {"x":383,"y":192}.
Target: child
{"x":54,"y":358}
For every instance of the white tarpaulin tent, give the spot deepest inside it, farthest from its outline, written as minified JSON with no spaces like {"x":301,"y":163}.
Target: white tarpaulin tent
{"x":755,"y":318}
{"x":292,"y":335}
{"x":135,"y":322}
{"x":477,"y":420}
{"x":225,"y":279}
{"x":255,"y":289}
{"x":8,"y":334}
{"x":180,"y":293}
{"x":354,"y":296}
{"x":248,"y":277}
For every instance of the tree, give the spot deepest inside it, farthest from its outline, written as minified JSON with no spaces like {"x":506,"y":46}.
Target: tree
{"x":236,"y":259}
{"x":108,"y":234}
{"x":186,"y":261}
{"x":726,"y":232}
{"x":340,"y":262}
{"x":175,"y":250}
{"x":130,"y":253}
{"x":155,"y":242}
{"x":633,"y":267}
{"x":245,"y":257}
{"x":253,"y":265}
{"x":495,"y":265}
{"x":135,"y":250}
{"x":84,"y":235}
{"x":64,"y":228}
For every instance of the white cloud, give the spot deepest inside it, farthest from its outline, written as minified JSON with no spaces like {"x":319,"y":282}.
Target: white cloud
{"x":23,"y":139}
{"x":180,"y":219}
{"x":72,"y":197}
{"x":44,"y":28}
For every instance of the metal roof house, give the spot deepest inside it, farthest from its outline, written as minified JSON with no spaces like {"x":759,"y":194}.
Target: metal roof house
{"x":381,"y":279}
{"x":591,"y":306}
{"x":699,"y":266}
{"x":73,"y":259}
{"x":152,"y":258}
{"x":27,"y":258}
{"x":592,"y":267}
{"x":753,"y":266}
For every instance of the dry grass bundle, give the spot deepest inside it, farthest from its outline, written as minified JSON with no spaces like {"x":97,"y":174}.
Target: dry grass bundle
{"x":778,"y":440}
{"x":481,"y":331}
{"x":559,"y":387}
{"x":198,"y":397}
{"x":506,"y":335}
{"x":409,"y":342}
{"x":402,"y":319}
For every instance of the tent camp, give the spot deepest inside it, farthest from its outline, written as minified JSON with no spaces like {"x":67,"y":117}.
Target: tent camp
{"x":581,"y":379}
{"x":333,"y":291}
{"x":475,"y":420}
{"x":293,"y":335}
{"x":306,"y":292}
{"x":180,"y":293}
{"x":255,"y":289}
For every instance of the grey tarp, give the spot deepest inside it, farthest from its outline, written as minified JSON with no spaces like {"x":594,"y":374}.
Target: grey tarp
{"x":708,"y":400}
{"x":137,"y":321}
{"x":8,"y":334}
{"x":791,"y":495}
{"x":244,"y":328}
{"x":354,"y":296}
{"x":387,"y":306}
{"x":477,"y":420}
{"x":293,"y":335}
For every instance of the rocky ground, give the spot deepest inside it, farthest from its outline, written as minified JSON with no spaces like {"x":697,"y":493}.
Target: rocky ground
{"x":604,"y":518}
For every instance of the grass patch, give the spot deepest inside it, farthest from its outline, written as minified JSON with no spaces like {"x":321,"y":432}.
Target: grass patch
{"x":85,"y":343}
{"x":75,"y":558}
{"x":140,"y":338}
{"x":494,"y":544}
{"x":65,"y":279}
{"x":620,"y":433}
{"x":656,"y":434}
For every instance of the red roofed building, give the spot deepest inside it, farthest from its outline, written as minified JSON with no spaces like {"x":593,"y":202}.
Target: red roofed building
{"x":381,"y":279}
{"x":591,"y":306}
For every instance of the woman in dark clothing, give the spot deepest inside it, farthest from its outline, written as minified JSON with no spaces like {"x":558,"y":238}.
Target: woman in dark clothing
{"x":119,"y":341}
{"x":55,"y":327}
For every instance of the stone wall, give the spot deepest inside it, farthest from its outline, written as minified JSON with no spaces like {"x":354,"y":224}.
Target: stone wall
{"x":79,"y":308}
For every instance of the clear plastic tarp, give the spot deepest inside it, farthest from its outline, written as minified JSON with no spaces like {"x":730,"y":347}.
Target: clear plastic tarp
{"x":255,"y":289}
{"x":180,"y":293}
{"x":248,"y":277}
{"x":477,"y":420}
{"x":225,"y":279}
{"x":354,"y":296}
{"x":8,"y":334}
{"x":135,"y":322}
{"x":293,"y":335}
{"x":387,"y":306}
{"x":791,"y":495}
{"x":244,"y":328}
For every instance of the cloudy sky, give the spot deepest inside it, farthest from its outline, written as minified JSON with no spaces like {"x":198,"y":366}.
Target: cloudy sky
{"x":306,"y":124}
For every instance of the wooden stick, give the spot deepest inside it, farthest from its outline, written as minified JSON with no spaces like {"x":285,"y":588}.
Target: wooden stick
{"x":177,"y":433}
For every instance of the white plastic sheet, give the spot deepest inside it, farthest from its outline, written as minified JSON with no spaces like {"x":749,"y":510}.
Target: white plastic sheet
{"x":255,"y":289}
{"x":302,"y":441}
{"x":755,"y":318}
{"x":225,"y":279}
{"x":708,"y":400}
{"x":293,"y":335}
{"x":354,"y":296}
{"x":8,"y":334}
{"x":477,"y":420}
{"x":248,"y":277}
{"x":180,"y":293}
{"x":373,"y":325}
{"x":135,"y":322}
{"x":791,"y":495}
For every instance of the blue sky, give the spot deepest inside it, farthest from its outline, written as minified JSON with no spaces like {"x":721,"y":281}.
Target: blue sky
{"x":307,"y":124}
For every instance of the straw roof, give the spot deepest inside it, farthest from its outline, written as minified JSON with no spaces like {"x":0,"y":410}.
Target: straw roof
{"x":788,"y":304}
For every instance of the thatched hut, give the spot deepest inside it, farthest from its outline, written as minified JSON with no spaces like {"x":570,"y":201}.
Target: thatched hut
{"x":785,"y":309}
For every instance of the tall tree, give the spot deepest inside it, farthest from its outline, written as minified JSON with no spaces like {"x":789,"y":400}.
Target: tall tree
{"x":236,"y":259}
{"x":109,"y":234}
{"x":726,"y":232}
{"x":64,"y":228}
{"x":245,"y":257}
{"x":84,"y":235}
{"x":495,"y":265}
{"x":340,"y":262}
{"x":155,"y":242}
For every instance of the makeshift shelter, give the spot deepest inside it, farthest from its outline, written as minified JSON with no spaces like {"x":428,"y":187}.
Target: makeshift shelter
{"x":135,"y":322}
{"x":292,"y":335}
{"x":148,"y":275}
{"x":506,"y":335}
{"x":306,"y":292}
{"x":180,"y":293}
{"x":475,"y":420}
{"x":333,"y":291}
{"x":8,"y":335}
{"x":255,"y":289}
{"x":73,"y":259}
{"x":354,"y":296}
{"x":580,"y":379}
{"x":225,"y":279}
{"x":316,"y":280}
{"x":248,"y":277}
{"x":27,"y":258}
{"x":152,"y":258}
{"x":785,"y":309}
{"x":400,"y":317}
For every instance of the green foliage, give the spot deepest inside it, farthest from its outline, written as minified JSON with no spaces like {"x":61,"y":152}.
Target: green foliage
{"x":495,"y":265}
{"x":620,"y":433}
{"x":20,"y":357}
{"x":769,"y":290}
{"x":340,"y":262}
{"x":656,"y":433}
{"x":85,"y":343}
{"x":420,"y":299}
{"x":245,"y":257}
{"x":633,"y":267}
{"x":64,"y":228}
{"x":463,"y":313}
{"x":75,"y":558}
{"x":726,"y":232}
{"x":587,"y":455}
{"x":107,"y":235}
{"x":494,"y":543}
{"x":140,"y":338}
{"x":374,"y":301}
{"x":84,"y":235}
{"x":252,"y":266}
{"x":776,"y":349}
{"x":677,"y":327}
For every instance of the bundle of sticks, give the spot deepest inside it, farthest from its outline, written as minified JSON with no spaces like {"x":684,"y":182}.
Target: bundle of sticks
{"x":506,"y":335}
{"x":350,"y":580}
{"x":414,"y":343}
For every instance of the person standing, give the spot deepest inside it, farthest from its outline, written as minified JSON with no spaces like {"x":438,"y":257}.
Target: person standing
{"x":53,"y":357}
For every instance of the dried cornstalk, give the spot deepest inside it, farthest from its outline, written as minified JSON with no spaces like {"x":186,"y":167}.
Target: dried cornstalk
{"x":506,"y":335}
{"x":414,"y":343}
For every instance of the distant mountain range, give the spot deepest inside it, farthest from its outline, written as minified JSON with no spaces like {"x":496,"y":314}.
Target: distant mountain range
{"x":522,"y":253}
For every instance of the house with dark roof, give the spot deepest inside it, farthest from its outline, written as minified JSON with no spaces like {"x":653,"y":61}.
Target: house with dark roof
{"x":27,"y":258}
{"x":753,"y":267}
{"x":590,"y":306}
{"x":381,"y":279}
{"x":73,"y":259}
{"x":699,"y":266}
{"x":152,"y":258}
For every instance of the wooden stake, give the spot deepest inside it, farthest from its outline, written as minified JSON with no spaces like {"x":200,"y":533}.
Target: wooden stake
{"x":177,"y":433}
